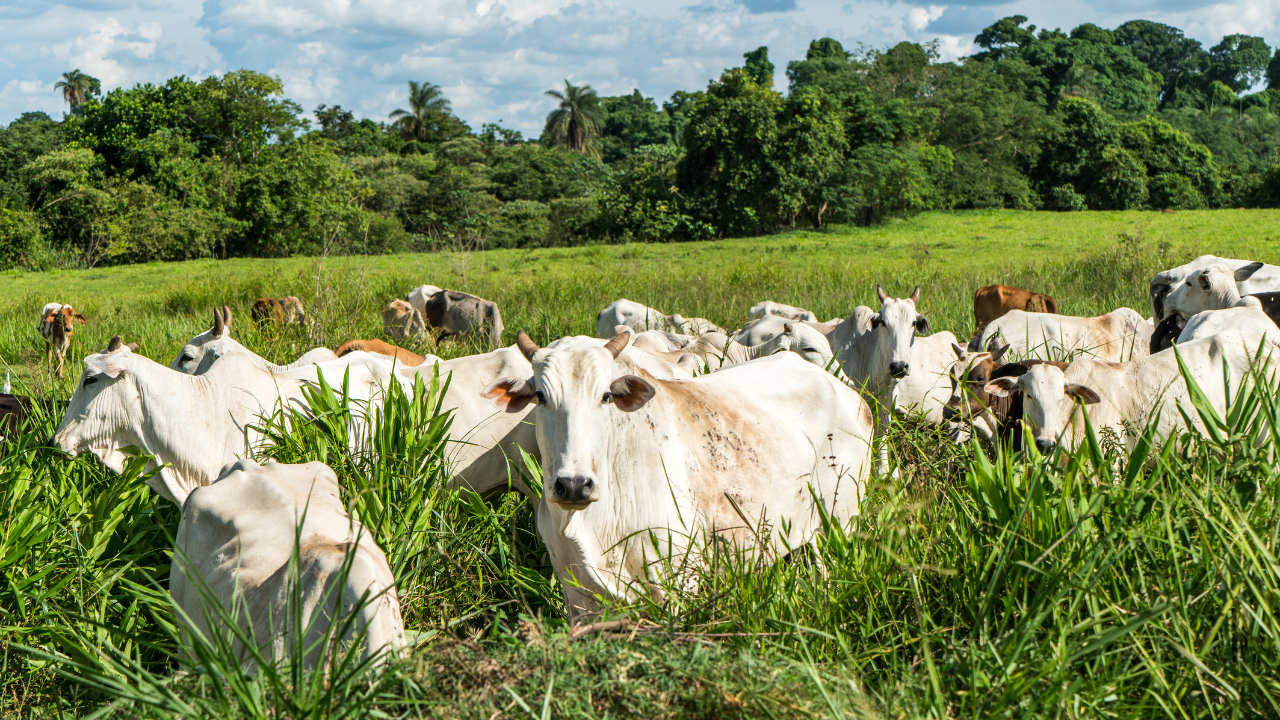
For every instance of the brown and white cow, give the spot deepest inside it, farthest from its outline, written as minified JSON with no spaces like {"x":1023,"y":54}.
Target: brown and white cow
{"x":993,"y":301}
{"x":379,"y":347}
{"x":993,"y":416}
{"x":1118,"y":336}
{"x":57,"y":324}
{"x":401,"y":321}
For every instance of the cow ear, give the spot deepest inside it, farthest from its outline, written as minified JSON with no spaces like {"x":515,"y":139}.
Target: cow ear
{"x":630,"y":393}
{"x":999,"y":353}
{"x":1204,"y":282}
{"x":1083,"y":393}
{"x":1001,"y":387}
{"x":110,"y":365}
{"x":80,"y":319}
{"x":509,"y":394}
{"x":922,"y":322}
{"x":959,"y":351}
{"x":874,"y":321}
{"x":1247,"y":271}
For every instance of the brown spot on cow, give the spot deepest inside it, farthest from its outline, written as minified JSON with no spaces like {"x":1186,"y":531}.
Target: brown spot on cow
{"x":993,"y":301}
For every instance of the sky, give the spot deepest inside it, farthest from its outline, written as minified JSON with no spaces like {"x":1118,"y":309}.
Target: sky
{"x":495,"y":58}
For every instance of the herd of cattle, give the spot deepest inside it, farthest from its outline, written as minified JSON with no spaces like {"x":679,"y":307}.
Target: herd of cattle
{"x":657,"y":433}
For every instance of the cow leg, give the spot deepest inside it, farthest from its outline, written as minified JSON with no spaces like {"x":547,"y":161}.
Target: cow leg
{"x":61,"y":362}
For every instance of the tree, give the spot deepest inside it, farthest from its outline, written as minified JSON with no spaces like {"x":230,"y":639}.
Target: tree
{"x":759,"y":67}
{"x":578,"y":122}
{"x":1239,"y":62}
{"x":1005,"y":38}
{"x":632,"y":121}
{"x":335,"y":123}
{"x":1165,"y":50}
{"x":429,"y":117}
{"x":76,"y":87}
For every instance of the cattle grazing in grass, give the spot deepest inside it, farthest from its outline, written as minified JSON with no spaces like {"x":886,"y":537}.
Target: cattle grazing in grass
{"x":379,"y":347}
{"x":1118,"y":336}
{"x":402,"y":321}
{"x":57,"y":325}
{"x":419,"y":296}
{"x":789,"y":312}
{"x":1262,"y":279}
{"x":993,"y":301}
{"x":287,"y":310}
{"x":640,"y":471}
{"x":235,"y":548}
{"x":630,"y":313}
{"x":457,"y":313}
{"x":1125,"y":397}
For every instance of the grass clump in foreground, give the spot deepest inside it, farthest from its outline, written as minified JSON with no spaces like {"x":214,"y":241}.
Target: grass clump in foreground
{"x":979,"y":584}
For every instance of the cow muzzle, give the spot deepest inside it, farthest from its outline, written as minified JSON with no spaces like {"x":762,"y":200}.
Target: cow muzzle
{"x":574,"y":492}
{"x":899,"y":369}
{"x":1045,"y":446}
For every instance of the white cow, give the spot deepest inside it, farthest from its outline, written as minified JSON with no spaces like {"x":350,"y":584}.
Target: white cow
{"x":632,"y":314}
{"x":1118,"y":336}
{"x":640,"y":470}
{"x":1126,"y":396}
{"x":419,"y":296}
{"x":1247,"y":320}
{"x":234,"y":546}
{"x":789,"y":312}
{"x":767,"y":327}
{"x":193,"y":424}
{"x":796,"y":337}
{"x":1216,"y":287}
{"x":1266,"y":278}
{"x":927,"y":388}
{"x":204,"y":349}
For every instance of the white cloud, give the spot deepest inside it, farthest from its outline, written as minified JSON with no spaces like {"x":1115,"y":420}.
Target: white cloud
{"x":494,"y":58}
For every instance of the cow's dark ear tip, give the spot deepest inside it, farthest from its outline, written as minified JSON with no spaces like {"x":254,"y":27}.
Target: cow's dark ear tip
{"x":630,"y":393}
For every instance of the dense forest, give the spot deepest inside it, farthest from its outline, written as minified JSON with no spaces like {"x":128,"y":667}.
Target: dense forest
{"x":1131,"y":118}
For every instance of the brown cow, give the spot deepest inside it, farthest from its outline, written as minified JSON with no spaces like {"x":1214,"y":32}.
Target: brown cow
{"x":994,"y":301}
{"x":14,"y":409}
{"x":57,"y":324}
{"x":268,"y":309}
{"x":402,"y":356}
{"x":293,"y":311}
{"x":401,"y":320}
{"x":988,"y":413}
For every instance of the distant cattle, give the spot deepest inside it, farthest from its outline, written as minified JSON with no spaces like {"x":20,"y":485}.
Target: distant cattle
{"x":457,"y":313}
{"x":1266,"y":278}
{"x":419,"y":296}
{"x":294,"y":313}
{"x":379,"y":347}
{"x":204,"y":349}
{"x":57,"y":325}
{"x":641,"y":318}
{"x":1120,"y":335}
{"x":402,"y":321}
{"x":635,"y":465}
{"x":1125,"y":397}
{"x":789,"y":312}
{"x":237,"y":545}
{"x":14,"y":410}
{"x":267,"y":310}
{"x":993,"y":301}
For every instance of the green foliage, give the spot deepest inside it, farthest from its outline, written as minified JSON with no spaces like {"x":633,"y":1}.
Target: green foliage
{"x":430,"y":118}
{"x":632,"y":121}
{"x":22,"y":141}
{"x":578,"y":122}
{"x":644,"y":203}
{"x":759,"y":67}
{"x":20,"y":236}
{"x":533,"y":172}
{"x":573,"y":221}
{"x":520,"y":223}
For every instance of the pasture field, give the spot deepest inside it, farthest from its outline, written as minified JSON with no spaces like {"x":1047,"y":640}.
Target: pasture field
{"x":978,"y":583}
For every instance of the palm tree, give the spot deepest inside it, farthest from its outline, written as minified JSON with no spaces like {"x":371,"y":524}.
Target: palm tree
{"x":77,"y":87}
{"x":577,"y":123}
{"x":427,"y":108}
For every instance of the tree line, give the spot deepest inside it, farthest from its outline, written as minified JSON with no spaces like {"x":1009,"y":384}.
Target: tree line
{"x":1139,"y":117}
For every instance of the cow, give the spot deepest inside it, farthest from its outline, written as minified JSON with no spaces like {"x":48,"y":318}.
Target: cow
{"x":796,"y":337}
{"x":631,"y":314}
{"x":204,"y":349}
{"x":767,"y":327}
{"x":994,"y":417}
{"x":457,"y":313}
{"x":236,"y":546}
{"x":788,"y":312}
{"x":402,"y":321}
{"x":1117,"y":336}
{"x":294,"y":313}
{"x":57,"y":325}
{"x":993,"y":301}
{"x":640,"y":471}
{"x":193,"y":425}
{"x":1215,"y":287}
{"x":1265,"y":279}
{"x":927,"y":387}
{"x":1126,"y":397}
{"x":379,"y":347}
{"x":267,"y":310}
{"x":14,"y":411}
{"x":419,"y":296}
{"x":696,"y":327}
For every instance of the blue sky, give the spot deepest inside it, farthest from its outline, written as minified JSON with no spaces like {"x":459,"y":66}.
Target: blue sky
{"x":494,"y":58}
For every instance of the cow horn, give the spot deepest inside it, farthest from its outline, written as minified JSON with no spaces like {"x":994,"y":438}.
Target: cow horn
{"x":880,"y":293}
{"x":915,"y":295}
{"x":114,"y":345}
{"x":527,"y":346}
{"x":226,"y":317}
{"x":217,"y":321}
{"x":617,"y":344}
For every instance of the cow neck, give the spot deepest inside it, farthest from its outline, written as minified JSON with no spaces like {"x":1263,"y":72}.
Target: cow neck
{"x":194,"y":458}
{"x":736,"y":353}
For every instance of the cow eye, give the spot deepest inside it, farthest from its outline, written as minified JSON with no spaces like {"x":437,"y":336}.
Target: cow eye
{"x":90,"y":380}
{"x":542,"y":399}
{"x":608,"y":397}
{"x":186,"y":357}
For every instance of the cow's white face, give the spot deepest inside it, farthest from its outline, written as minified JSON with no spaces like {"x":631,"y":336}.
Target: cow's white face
{"x":810,"y":344}
{"x":104,"y":411}
{"x":191,"y":360}
{"x":1048,"y":401}
{"x":899,"y":322}
{"x":1205,"y":289}
{"x":577,"y":386}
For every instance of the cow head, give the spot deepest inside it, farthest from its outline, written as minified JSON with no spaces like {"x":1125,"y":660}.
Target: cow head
{"x":1048,"y":401}
{"x":577,"y":385}
{"x":191,"y":359}
{"x":104,"y":410}
{"x":969,"y":376}
{"x":1209,"y":288}
{"x":899,"y":322}
{"x":809,"y":343}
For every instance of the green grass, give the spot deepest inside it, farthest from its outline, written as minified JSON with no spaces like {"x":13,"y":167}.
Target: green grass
{"x":977,"y":584}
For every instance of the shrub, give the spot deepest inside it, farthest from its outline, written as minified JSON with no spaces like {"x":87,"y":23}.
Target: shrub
{"x":20,"y":235}
{"x":1170,"y":190}
{"x":522,"y":223}
{"x":574,"y":221}
{"x":1065,"y":197}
